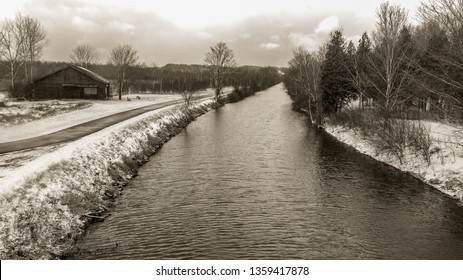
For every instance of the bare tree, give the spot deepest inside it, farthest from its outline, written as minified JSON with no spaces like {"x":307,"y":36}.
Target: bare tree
{"x":34,"y":42}
{"x":221,"y":61}
{"x":307,"y":68}
{"x":187,"y":91}
{"x":389,"y":62}
{"x":12,"y":40}
{"x":123,"y":57}
{"x":448,"y":14}
{"x":84,"y":55}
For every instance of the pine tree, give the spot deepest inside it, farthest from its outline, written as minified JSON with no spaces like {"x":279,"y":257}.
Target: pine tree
{"x":362,"y":57}
{"x":433,"y":68}
{"x":407,"y":69}
{"x":335,"y":81}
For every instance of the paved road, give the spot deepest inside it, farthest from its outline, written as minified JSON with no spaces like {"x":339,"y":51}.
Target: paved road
{"x":82,"y":129}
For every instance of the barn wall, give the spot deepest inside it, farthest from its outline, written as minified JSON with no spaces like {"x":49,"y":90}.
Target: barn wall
{"x":51,"y":87}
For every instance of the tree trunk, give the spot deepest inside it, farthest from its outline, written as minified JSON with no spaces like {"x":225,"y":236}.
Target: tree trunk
{"x":217,"y":94}
{"x":428,"y":104}
{"x":120,"y":90}
{"x":12,"y":80}
{"x":310,"y":111}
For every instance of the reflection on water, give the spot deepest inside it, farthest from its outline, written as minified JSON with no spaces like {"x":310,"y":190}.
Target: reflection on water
{"x":253,"y":181}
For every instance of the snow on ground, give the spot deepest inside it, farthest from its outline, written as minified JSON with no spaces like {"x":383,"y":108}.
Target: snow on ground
{"x":18,"y":167}
{"x":10,"y":162}
{"x":446,"y":169}
{"x":15,"y":113}
{"x":46,"y":197}
{"x":58,"y":122}
{"x":3,"y":96}
{"x":99,"y":109}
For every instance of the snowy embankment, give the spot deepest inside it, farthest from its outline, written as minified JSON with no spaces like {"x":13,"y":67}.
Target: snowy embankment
{"x":445,"y":169}
{"x":45,"y":207}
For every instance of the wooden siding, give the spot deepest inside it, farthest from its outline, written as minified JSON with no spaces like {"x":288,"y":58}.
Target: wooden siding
{"x":69,"y":84}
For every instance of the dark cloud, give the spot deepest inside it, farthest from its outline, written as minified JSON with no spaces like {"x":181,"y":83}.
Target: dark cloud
{"x":262,"y":40}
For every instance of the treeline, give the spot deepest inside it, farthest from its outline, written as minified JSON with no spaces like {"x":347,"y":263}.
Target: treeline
{"x":416,"y":70}
{"x":150,"y":79}
{"x":250,"y":79}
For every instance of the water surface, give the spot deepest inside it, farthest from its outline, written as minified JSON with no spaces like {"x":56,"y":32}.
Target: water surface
{"x":251,"y":180}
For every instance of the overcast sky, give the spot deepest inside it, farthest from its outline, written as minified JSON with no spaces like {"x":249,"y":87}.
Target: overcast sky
{"x":181,"y":31}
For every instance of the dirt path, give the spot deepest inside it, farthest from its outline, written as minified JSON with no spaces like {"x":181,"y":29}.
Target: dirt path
{"x":82,"y":129}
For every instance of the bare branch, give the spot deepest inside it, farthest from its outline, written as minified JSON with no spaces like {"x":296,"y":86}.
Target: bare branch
{"x":123,"y":56}
{"x":221,"y":61}
{"x":84,"y":55}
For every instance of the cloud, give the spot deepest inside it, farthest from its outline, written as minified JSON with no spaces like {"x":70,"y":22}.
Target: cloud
{"x":203,"y":35}
{"x":82,"y":23}
{"x":245,"y":35}
{"x":269,"y":45}
{"x":307,"y":40}
{"x":327,"y":25}
{"x":120,"y":26}
{"x":275,"y":38}
{"x":256,"y":40}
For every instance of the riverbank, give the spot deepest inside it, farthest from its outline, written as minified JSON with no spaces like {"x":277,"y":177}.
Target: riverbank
{"x":47,"y":205}
{"x":444,"y":171}
{"x":49,"y":195}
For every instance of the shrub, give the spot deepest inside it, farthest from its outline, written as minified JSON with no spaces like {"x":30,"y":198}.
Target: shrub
{"x":240,"y":94}
{"x":389,"y":132}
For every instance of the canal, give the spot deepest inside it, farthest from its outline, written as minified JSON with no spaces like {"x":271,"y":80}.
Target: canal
{"x":252,"y":180}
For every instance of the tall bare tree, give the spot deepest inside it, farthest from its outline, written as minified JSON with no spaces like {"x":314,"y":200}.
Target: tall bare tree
{"x":84,"y":55}
{"x":389,"y":62}
{"x":221,"y":61}
{"x":12,"y":41}
{"x":34,"y":42}
{"x":123,"y":57}
{"x":306,"y":68}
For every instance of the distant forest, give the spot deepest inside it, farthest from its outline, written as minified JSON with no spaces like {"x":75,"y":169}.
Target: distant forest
{"x":149,"y":79}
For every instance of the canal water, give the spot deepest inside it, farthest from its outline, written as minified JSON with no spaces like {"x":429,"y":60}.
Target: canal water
{"x":252,"y":180}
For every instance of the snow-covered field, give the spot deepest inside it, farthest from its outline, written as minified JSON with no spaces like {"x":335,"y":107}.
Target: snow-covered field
{"x":64,"y":119}
{"x":445,"y":172}
{"x":95,"y":109}
{"x":14,"y":113}
{"x":51,"y":192}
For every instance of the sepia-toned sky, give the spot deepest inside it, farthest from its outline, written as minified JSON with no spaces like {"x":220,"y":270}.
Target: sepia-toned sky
{"x":181,"y":31}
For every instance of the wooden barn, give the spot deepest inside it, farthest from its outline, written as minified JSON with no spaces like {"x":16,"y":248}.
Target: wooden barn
{"x":71,"y":82}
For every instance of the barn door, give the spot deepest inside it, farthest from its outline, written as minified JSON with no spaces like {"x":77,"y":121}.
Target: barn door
{"x":93,"y":91}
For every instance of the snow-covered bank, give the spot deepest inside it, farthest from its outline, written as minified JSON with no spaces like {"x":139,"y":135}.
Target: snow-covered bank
{"x":445,"y":171}
{"x":57,"y":193}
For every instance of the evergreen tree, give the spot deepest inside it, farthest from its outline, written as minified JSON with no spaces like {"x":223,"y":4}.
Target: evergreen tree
{"x":407,"y":69}
{"x":335,"y":81}
{"x":362,"y":57}
{"x":434,"y":69}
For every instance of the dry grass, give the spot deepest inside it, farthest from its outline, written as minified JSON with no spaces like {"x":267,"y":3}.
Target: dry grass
{"x":388,"y":132}
{"x":22,"y":112}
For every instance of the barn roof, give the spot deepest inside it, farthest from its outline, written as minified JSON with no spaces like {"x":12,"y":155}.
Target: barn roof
{"x":79,"y":69}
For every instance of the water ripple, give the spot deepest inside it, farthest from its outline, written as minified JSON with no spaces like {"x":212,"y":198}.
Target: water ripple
{"x":252,"y":181}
